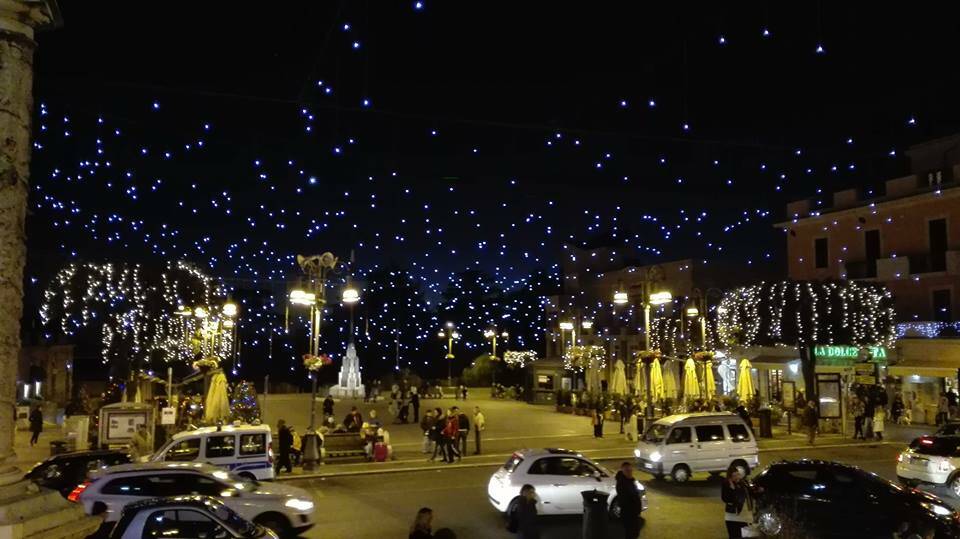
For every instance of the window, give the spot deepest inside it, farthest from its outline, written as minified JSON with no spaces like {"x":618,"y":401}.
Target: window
{"x":821,"y":254}
{"x":540,"y":467}
{"x":568,"y":466}
{"x":544,"y":381}
{"x":871,"y":249}
{"x":221,"y":446}
{"x":937,"y":236}
{"x":253,"y":444}
{"x":197,"y":484}
{"x":182,"y":524}
{"x":710,"y":433}
{"x":511,"y":463}
{"x":942,"y":309}
{"x":738,"y":432}
{"x":151,"y":486}
{"x":679,"y":435}
{"x":184,"y":450}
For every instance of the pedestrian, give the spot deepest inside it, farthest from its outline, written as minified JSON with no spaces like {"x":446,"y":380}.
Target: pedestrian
{"x":463,"y":390}
{"x":296,"y":448}
{"x":869,"y":406}
{"x":810,"y":420}
{"x":523,"y":519}
{"x":142,"y":445}
{"x":36,"y":424}
{"x":943,"y":409}
{"x":285,"y":442}
{"x":353,"y":421}
{"x":479,"y":423}
{"x":896,"y":409}
{"x":858,"y":411}
{"x":734,"y":496}
{"x":404,"y":408}
{"x":463,"y":430}
{"x":879,"y":415}
{"x":328,"y":406}
{"x":436,"y":435}
{"x":952,"y":404}
{"x":373,"y":420}
{"x":422,"y":524}
{"x":631,"y":426}
{"x":628,"y":496}
{"x":415,"y":402}
{"x":597,"y":422}
{"x":426,"y":425}
{"x":450,"y":433}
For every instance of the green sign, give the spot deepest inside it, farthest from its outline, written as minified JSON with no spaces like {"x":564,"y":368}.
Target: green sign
{"x":842,"y":355}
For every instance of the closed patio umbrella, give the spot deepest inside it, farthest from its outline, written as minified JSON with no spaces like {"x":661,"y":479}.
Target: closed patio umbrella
{"x":639,"y":380}
{"x":656,"y":380}
{"x":745,"y":380}
{"x":691,"y":385}
{"x":710,"y":384}
{"x":669,"y":381}
{"x":217,"y":404}
{"x":619,"y":383}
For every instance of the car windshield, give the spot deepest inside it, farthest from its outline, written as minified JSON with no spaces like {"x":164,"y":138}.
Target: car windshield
{"x":656,"y":433}
{"x":938,"y":447}
{"x":235,"y":521}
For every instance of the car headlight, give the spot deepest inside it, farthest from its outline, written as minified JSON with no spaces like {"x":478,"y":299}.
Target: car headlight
{"x":637,"y":453}
{"x":938,"y":509}
{"x":299,"y":505}
{"x":655,"y":456}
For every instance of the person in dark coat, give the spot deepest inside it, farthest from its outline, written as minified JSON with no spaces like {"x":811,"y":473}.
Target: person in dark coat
{"x":353,"y":421}
{"x":415,"y":402}
{"x":436,"y":435}
{"x":524,"y":519}
{"x":745,"y":416}
{"x":628,"y":497}
{"x":328,"y":406}
{"x":422,"y":527}
{"x":285,"y":443}
{"x":597,"y":421}
{"x":36,"y":425}
{"x":734,"y":496}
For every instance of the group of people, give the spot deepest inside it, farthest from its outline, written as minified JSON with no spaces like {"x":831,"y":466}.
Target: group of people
{"x":401,"y":401}
{"x":500,"y":391}
{"x":289,"y":446}
{"x":869,"y":412}
{"x":445,"y":433}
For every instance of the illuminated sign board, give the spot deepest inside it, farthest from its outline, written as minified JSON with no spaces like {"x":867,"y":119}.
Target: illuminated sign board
{"x":837,"y":354}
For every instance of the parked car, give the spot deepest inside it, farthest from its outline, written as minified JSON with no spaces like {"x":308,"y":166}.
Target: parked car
{"x":65,"y":471}
{"x":828,"y":499}
{"x":201,"y":517}
{"x":932,"y":460}
{"x":246,"y":450}
{"x":559,"y":475}
{"x":683,"y":444}
{"x":282,"y":508}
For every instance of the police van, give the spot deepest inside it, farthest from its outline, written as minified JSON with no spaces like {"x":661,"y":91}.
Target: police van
{"x":243,"y":449}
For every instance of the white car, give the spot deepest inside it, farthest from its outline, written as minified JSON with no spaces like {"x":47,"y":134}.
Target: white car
{"x":282,"y":508}
{"x":185,"y":516}
{"x":559,"y":475}
{"x":933,"y":460}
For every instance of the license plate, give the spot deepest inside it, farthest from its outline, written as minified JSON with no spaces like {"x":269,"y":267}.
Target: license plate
{"x":648,"y":465}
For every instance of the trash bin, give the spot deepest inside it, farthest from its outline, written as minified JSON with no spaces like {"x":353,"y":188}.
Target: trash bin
{"x":57,"y":447}
{"x":594,"y":514}
{"x":766,"y":423}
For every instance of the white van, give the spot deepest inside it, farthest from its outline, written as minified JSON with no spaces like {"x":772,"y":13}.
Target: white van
{"x":244,"y":449}
{"x":683,"y":444}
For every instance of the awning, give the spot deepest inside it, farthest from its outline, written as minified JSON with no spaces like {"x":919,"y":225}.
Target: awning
{"x":772,"y":362}
{"x":940,"y":368}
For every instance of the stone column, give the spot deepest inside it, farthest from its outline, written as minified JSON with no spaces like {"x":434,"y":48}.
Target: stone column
{"x":25,"y":511}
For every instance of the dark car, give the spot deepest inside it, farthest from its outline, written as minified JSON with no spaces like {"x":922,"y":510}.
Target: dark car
{"x":65,"y":471}
{"x":201,"y":517}
{"x":828,"y":499}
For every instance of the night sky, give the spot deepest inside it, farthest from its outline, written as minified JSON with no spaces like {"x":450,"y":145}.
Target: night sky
{"x":439,"y":137}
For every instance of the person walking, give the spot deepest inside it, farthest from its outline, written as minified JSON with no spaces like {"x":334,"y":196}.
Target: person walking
{"x":422,"y":527}
{"x":943,"y":409}
{"x":810,"y":420}
{"x":479,"y":423}
{"x":142,"y":446}
{"x":436,"y":435}
{"x":328,"y":406}
{"x":597,"y":422}
{"x":415,"y":402}
{"x":36,"y":425}
{"x":463,"y":392}
{"x":285,"y":443}
{"x":869,"y":407}
{"x":896,"y":409}
{"x":426,"y":425}
{"x":734,"y":496}
{"x":450,"y":432}
{"x":463,"y":430}
{"x":856,"y":407}
{"x":879,"y":415}
{"x":628,"y":496}
{"x":523,"y":519}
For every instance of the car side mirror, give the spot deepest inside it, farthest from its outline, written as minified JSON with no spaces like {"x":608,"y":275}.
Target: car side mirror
{"x":598,"y":476}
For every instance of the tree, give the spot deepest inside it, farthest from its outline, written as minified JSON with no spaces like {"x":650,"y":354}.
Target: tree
{"x":806,"y":314}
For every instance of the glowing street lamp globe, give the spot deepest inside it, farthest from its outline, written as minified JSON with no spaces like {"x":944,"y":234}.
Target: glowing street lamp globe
{"x":230,"y":309}
{"x":302,"y":297}
{"x":620,"y":298}
{"x":200,"y":312}
{"x":660,"y":298}
{"x":566,"y":326}
{"x":350,"y":295}
{"x":587,"y":324}
{"x":693,"y":312}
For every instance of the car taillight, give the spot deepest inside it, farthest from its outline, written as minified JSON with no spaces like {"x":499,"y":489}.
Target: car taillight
{"x":74,"y":495}
{"x":270,"y":452}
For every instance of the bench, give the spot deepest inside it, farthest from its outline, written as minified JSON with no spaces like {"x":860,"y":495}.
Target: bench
{"x":343,"y":445}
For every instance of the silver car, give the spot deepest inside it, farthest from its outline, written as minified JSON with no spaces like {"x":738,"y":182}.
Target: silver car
{"x":201,"y":517}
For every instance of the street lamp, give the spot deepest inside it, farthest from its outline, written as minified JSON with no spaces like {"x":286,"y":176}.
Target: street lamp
{"x":350,"y":296}
{"x":450,"y":334}
{"x":492,"y":335}
{"x":620,"y":298}
{"x":565,"y":326}
{"x":586,"y":324}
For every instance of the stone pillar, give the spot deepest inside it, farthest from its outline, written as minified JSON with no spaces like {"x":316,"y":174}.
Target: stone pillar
{"x":25,"y":511}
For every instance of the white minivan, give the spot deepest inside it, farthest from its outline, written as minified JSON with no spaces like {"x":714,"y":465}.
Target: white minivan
{"x":243,"y":449}
{"x":683,"y":444}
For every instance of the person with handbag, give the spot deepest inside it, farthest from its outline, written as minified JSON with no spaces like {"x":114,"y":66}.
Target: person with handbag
{"x":523,"y":519}
{"x":734,"y":495}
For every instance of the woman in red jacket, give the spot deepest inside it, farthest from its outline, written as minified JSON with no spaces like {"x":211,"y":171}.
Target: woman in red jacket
{"x":450,"y":431}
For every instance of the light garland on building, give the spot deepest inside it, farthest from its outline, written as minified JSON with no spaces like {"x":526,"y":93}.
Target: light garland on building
{"x":578,"y":358}
{"x":519,"y":358}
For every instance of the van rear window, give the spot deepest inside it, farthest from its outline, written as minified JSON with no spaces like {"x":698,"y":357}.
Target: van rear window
{"x":939,"y":447}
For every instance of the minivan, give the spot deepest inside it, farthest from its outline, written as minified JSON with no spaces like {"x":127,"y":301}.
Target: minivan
{"x":243,"y":449}
{"x":683,"y":444}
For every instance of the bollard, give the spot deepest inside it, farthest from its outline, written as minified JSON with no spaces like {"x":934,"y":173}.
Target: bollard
{"x":311,"y":450}
{"x":594,"y":514}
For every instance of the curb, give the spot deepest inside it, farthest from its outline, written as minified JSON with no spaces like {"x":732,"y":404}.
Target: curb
{"x":462,"y":465}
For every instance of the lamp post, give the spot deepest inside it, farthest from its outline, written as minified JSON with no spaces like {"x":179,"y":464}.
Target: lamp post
{"x":450,"y":333}
{"x":565,"y":326}
{"x":492,"y":335}
{"x":317,"y":268}
{"x":701,"y":309}
{"x":350,"y":296}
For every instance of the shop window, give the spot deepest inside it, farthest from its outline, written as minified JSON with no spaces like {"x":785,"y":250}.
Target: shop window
{"x":775,"y":381}
{"x":545,"y":381}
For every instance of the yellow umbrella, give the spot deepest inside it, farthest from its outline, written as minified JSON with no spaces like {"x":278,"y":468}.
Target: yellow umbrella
{"x":217,"y":404}
{"x":745,"y":380}
{"x":639,"y":380}
{"x":691,"y":385}
{"x":656,"y":380}
{"x":618,"y":384}
{"x":669,"y":382}
{"x":710,"y":389}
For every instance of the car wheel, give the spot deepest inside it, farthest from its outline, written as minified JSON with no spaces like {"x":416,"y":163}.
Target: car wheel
{"x":905,"y":482}
{"x":955,"y":486}
{"x":680,"y":473}
{"x":741,"y":467}
{"x":276,"y":522}
{"x":247,"y":475}
{"x":511,"y":507}
{"x":614,"y":511}
{"x":770,"y":523}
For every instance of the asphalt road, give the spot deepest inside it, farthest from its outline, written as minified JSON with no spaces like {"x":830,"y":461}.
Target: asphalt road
{"x":383,"y":505}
